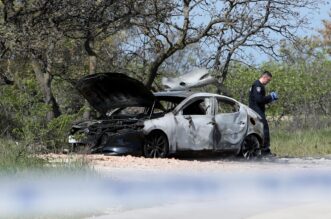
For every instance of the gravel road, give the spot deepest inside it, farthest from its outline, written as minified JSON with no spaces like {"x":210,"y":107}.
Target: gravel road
{"x":207,"y":164}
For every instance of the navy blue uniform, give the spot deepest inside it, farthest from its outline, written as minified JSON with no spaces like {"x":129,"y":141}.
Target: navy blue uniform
{"x":257,"y":101}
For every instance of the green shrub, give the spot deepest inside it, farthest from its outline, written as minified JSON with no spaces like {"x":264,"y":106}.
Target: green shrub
{"x":55,"y":135}
{"x":23,"y":117}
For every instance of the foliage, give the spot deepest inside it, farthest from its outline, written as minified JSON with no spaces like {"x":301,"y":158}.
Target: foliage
{"x":304,"y":90}
{"x":56,"y":133}
{"x":23,"y":117}
{"x":15,"y":157}
{"x":18,"y":159}
{"x":326,"y":34}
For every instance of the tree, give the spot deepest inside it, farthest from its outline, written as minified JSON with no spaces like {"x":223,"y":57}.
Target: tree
{"x":227,"y":28}
{"x":326,"y":34}
{"x":305,"y":50}
{"x":38,"y":30}
{"x":94,"y":21}
{"x":29,"y":32}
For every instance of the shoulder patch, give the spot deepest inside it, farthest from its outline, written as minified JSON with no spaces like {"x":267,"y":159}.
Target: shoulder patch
{"x":258,"y":89}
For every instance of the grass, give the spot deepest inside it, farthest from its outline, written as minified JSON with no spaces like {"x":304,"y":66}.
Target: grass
{"x":17,"y":158}
{"x":300,"y":143}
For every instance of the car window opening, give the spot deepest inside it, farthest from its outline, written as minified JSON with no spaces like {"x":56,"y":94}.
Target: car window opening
{"x":226,"y":106}
{"x":199,"y":107}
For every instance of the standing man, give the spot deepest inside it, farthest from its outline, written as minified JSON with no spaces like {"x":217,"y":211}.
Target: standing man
{"x":258,"y":100}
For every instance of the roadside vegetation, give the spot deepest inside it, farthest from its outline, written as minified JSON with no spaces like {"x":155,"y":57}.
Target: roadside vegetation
{"x":301,"y":143}
{"x":17,"y":158}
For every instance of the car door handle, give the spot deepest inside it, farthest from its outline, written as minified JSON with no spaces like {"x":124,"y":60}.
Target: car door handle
{"x":242,"y":123}
{"x":212,"y":123}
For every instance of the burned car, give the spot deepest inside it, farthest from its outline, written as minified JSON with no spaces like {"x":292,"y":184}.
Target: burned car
{"x":136,"y":121}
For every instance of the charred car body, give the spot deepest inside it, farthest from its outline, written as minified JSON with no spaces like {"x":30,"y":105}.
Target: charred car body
{"x":136,"y":121}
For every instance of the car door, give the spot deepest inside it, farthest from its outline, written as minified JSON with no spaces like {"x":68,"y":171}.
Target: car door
{"x":195,"y":124}
{"x":231,"y":124}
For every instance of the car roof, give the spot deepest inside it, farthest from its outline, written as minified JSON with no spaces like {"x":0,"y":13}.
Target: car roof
{"x":184,"y":94}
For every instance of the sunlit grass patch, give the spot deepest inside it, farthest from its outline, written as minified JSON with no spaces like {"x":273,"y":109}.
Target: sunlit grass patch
{"x":310,"y":142}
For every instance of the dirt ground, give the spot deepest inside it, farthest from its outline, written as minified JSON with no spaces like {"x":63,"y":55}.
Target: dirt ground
{"x":197,"y":163}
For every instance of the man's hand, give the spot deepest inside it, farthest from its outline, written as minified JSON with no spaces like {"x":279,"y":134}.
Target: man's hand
{"x":274,"y":96}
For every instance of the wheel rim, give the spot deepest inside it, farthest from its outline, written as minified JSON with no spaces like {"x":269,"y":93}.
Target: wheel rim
{"x":251,"y":147}
{"x":156,"y":146}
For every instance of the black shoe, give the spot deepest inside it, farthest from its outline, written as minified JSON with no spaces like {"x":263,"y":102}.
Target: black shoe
{"x":267,"y":153}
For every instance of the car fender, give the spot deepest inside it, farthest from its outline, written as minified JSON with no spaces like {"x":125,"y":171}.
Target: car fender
{"x":255,"y":125}
{"x":164,"y":124}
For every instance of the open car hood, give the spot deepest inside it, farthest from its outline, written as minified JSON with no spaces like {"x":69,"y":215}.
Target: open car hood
{"x":106,"y":91}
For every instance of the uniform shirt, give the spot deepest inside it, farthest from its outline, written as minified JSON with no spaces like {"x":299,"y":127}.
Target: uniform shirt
{"x":258,"y":99}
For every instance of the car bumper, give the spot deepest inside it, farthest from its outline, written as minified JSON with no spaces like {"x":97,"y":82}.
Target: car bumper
{"x":127,"y":142}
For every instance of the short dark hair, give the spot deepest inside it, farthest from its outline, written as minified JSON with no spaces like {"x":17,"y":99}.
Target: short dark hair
{"x":266,"y":73}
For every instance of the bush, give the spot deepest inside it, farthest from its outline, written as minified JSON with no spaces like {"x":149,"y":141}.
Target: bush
{"x":55,"y":135}
{"x":23,"y":118}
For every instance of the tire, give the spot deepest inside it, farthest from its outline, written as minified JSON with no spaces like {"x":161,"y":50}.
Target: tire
{"x":156,"y":145}
{"x":251,"y":147}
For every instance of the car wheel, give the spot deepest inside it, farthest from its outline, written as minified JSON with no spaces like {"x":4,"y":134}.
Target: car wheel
{"x":156,"y":145}
{"x":251,"y":147}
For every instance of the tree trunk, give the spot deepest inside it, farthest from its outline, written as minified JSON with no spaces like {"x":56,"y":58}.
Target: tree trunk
{"x":152,"y":74}
{"x":89,"y":48}
{"x":44,"y":79}
{"x":152,"y":71}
